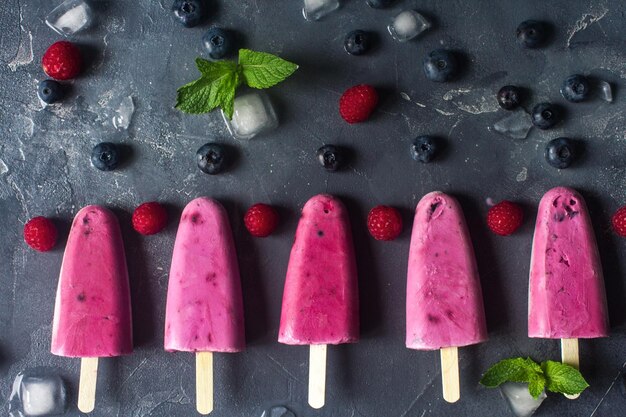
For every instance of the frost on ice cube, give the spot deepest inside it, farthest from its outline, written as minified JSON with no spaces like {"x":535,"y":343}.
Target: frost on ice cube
{"x":407,"y":25}
{"x":70,"y":17}
{"x":124,"y":113}
{"x":253,"y":114}
{"x":521,"y":402}
{"x":37,"y":392}
{"x":605,"y":91}
{"x":278,"y":411}
{"x":516,"y":125}
{"x":316,"y":9}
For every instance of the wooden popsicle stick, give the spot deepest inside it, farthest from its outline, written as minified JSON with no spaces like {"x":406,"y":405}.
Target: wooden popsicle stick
{"x":317,"y":375}
{"x":450,"y":374}
{"x":204,"y":382}
{"x":87,"y":384}
{"x":569,"y":356}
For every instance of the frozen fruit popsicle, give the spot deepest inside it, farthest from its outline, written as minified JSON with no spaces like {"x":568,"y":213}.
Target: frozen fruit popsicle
{"x":444,"y":304}
{"x":204,"y":311}
{"x":92,"y":315}
{"x":320,"y":300}
{"x":566,"y":297}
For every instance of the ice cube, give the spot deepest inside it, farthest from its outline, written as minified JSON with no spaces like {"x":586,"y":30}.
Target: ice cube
{"x":516,"y":125}
{"x":407,"y":25}
{"x":521,"y":402}
{"x":605,"y":91}
{"x":253,"y":114}
{"x":37,"y":392}
{"x":124,"y":113}
{"x":278,"y":411}
{"x":316,"y":9}
{"x":70,"y":17}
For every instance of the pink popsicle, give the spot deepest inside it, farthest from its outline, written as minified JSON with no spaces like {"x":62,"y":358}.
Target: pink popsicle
{"x":92,"y":315}
{"x":444,"y":304}
{"x":320,"y":300}
{"x":204,"y":305}
{"x":566,"y":289}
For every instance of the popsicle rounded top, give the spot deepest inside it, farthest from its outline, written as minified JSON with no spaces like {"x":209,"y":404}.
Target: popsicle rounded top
{"x":92,"y":313}
{"x":320,"y":300}
{"x":204,"y":310}
{"x":566,"y":287}
{"x":444,"y":304}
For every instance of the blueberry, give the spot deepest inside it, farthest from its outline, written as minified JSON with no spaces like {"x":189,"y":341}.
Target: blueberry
{"x":218,"y":42}
{"x":425,"y":148}
{"x":105,"y":156}
{"x":560,"y":152}
{"x":357,"y":42}
{"x":50,"y":91}
{"x":331,"y":157}
{"x":188,"y":12}
{"x":211,"y":158}
{"x":575,"y":88}
{"x":440,"y":65}
{"x":509,"y":97}
{"x":545,"y":115}
{"x":379,"y":4}
{"x":532,"y":34}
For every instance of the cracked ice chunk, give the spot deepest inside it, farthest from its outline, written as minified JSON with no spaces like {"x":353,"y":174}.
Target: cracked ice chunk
{"x":124,"y":113}
{"x":70,"y":17}
{"x":521,"y":402}
{"x":253,"y":114}
{"x":516,"y":125}
{"x":407,"y":25}
{"x":317,"y":9}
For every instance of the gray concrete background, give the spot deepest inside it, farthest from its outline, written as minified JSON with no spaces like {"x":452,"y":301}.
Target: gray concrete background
{"x":136,"y":48}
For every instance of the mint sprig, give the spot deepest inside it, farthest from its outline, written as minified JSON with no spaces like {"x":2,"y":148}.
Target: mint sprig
{"x":219,"y":80}
{"x":550,"y":375}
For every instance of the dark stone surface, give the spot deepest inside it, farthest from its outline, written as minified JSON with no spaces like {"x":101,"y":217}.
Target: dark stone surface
{"x":136,"y":48}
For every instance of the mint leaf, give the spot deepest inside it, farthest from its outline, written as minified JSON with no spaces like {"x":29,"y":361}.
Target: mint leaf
{"x":215,"y":88}
{"x":562,"y":378}
{"x":514,"y":369}
{"x":536,"y":385}
{"x":262,"y":70}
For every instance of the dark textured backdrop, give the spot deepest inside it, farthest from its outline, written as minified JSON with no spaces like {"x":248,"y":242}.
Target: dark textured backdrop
{"x":137,"y":49}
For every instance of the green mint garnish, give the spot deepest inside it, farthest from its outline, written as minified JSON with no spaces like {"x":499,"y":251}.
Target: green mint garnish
{"x":219,"y":80}
{"x":563,"y":378}
{"x":263,"y":70}
{"x":550,"y":375}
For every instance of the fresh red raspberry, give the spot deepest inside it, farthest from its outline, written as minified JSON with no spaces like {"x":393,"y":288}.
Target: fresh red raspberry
{"x":384,"y":223}
{"x":40,"y":234}
{"x":619,"y":221}
{"x":505,"y":218}
{"x":261,"y":220}
{"x":62,"y":61}
{"x":357,"y":103}
{"x":149,"y":218}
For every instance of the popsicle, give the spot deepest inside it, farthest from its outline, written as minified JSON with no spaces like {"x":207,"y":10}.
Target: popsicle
{"x":204,"y":312}
{"x":444,"y":304}
{"x":566,"y":298}
{"x":92,"y":315}
{"x":320,"y":300}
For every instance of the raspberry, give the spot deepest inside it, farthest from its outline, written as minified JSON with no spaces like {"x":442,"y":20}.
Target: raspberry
{"x":619,"y":221}
{"x":149,"y":218}
{"x":40,"y":234}
{"x":357,"y":103}
{"x":261,"y":220}
{"x":505,"y":218}
{"x":384,"y":223}
{"x":62,"y":61}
